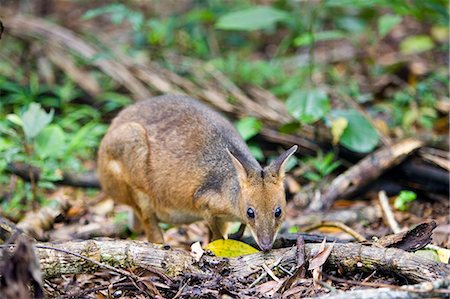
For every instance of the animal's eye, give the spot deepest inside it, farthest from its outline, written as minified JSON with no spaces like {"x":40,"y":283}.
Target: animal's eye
{"x":250,"y":213}
{"x":278,"y":212}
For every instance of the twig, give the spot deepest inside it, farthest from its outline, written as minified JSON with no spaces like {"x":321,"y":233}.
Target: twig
{"x":178,"y":294}
{"x":264,"y":274}
{"x":387,"y":212}
{"x":270,"y":272}
{"x":357,"y":236}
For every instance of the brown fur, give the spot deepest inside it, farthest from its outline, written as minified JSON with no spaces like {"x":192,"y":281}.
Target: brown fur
{"x":176,"y":161}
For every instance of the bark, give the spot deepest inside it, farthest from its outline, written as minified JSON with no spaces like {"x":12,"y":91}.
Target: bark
{"x":174,"y":262}
{"x":364,"y":172}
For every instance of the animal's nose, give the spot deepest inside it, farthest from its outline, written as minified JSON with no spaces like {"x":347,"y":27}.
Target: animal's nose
{"x":265,"y":244}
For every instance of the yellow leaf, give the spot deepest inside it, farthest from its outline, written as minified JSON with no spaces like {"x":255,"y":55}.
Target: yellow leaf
{"x":230,"y":248}
{"x":444,"y":255}
{"x":338,"y":126}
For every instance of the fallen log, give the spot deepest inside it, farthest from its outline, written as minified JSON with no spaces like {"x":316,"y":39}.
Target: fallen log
{"x":175,"y":262}
{"x":87,"y":180}
{"x":364,"y":172}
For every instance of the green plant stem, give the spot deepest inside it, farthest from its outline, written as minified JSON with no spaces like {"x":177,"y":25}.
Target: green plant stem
{"x":311,"y":46}
{"x":29,"y":152}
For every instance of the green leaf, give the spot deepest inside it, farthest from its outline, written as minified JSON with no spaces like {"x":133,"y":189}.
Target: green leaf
{"x":293,"y":230}
{"x":35,"y":119}
{"x":312,"y":176}
{"x":248,"y":127}
{"x":416,"y":44}
{"x":80,"y":136}
{"x":50,"y":142}
{"x":255,"y":18}
{"x":386,"y":23}
{"x":230,"y":248}
{"x":289,"y":128}
{"x":15,"y":119}
{"x":359,"y":135}
{"x":256,"y":152}
{"x":330,"y":168}
{"x":306,"y":38}
{"x":308,"y":106}
{"x":403,"y":199}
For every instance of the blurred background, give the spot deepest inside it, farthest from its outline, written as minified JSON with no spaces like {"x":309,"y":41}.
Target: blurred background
{"x":359,"y":85}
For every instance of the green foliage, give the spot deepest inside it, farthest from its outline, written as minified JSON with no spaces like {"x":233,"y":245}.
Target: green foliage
{"x":254,"y":18}
{"x":413,"y":108}
{"x":256,"y":151}
{"x":50,"y":142}
{"x":403,"y":200}
{"x":359,"y":135}
{"x":416,"y":44}
{"x":119,"y":13}
{"x":308,"y":106}
{"x":306,"y":39}
{"x":386,"y":23}
{"x":33,"y":120}
{"x":316,"y":168}
{"x":248,"y":127}
{"x":34,"y":133}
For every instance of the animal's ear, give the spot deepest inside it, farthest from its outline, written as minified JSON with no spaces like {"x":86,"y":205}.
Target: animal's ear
{"x":240,"y":169}
{"x":277,"y":167}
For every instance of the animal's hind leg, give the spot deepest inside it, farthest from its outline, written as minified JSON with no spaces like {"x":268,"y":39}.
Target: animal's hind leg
{"x":152,"y":230}
{"x":124,"y":155}
{"x":124,"y":169}
{"x":143,"y":208}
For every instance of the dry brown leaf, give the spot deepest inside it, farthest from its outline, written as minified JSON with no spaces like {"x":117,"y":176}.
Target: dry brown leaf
{"x":197,"y":251}
{"x":317,"y":262}
{"x":270,"y":288}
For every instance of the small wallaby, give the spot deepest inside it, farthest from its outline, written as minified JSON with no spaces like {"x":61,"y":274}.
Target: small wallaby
{"x":174,"y":160}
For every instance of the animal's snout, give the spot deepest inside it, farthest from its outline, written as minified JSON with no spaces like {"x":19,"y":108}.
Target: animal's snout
{"x":265,"y":243}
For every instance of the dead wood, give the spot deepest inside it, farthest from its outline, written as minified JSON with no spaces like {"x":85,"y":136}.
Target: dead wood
{"x":436,"y":156}
{"x":86,"y":180}
{"x":364,"y":172}
{"x":84,"y":79}
{"x":411,"y":240}
{"x":306,"y":146}
{"x":428,"y":177}
{"x":36,"y":223}
{"x":173,"y":262}
{"x":62,"y":38}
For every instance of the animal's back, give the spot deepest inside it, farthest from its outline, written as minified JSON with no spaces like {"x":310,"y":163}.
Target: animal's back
{"x":187,"y":143}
